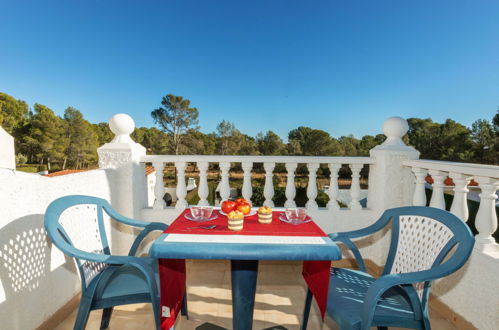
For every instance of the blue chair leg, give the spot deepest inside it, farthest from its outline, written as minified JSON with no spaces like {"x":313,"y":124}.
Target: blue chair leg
{"x":243,"y":274}
{"x":106,"y":317}
{"x":306,"y":310}
{"x":183,"y":310}
{"x":82,"y":315}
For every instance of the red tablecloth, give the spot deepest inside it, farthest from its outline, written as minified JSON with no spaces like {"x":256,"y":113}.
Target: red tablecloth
{"x":172,"y":271}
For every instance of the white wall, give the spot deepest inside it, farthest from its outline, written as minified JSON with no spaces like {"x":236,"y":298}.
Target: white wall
{"x":35,"y":278}
{"x":7,"y":153}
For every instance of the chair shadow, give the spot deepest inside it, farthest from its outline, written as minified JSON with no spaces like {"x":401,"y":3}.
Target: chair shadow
{"x":25,"y":265}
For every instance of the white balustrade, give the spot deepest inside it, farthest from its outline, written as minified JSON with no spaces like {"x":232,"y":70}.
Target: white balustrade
{"x":355,"y":188}
{"x":419,"y":197}
{"x":159,"y":188}
{"x":486,"y":218}
{"x":290,"y":185}
{"x":269,"y":162}
{"x":312,"y":186}
{"x":268,"y":189}
{"x":203,"y":183}
{"x":459,"y":205}
{"x":437,"y":196}
{"x":181,"y":187}
{"x":247,"y":190}
{"x":224,"y":183}
{"x":333,"y":191}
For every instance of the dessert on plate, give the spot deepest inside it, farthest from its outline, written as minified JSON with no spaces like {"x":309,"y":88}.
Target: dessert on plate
{"x":236,"y":220}
{"x":265,"y":214}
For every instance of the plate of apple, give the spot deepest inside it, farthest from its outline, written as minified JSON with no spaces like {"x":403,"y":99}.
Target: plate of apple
{"x":240,"y":204}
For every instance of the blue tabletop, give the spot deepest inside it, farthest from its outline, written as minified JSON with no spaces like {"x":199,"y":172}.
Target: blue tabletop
{"x":200,"y":247}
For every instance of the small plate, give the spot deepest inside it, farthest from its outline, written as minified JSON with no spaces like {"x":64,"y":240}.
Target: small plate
{"x":252,"y":212}
{"x":284,"y":218}
{"x":213,"y":216}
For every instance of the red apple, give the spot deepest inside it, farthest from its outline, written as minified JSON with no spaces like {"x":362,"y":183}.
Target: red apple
{"x":228,"y":206}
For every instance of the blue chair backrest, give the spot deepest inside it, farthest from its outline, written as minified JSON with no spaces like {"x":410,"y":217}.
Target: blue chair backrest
{"x":422,"y":238}
{"x":78,"y":224}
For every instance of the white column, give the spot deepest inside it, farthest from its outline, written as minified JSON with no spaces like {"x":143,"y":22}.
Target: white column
{"x":247,"y":190}
{"x":387,"y":171}
{"x":437,"y":196}
{"x":486,"y":218}
{"x":159,"y":188}
{"x":181,"y":188}
{"x":203,"y":183}
{"x":224,"y":183}
{"x":290,"y":185}
{"x":312,"y":186}
{"x":268,"y":189}
{"x":419,"y":196}
{"x":333,"y":187}
{"x":355,"y":188}
{"x":460,"y":202}
{"x":122,"y":159}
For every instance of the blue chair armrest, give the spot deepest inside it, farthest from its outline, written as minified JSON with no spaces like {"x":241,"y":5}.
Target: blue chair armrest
{"x":150,"y":227}
{"x":356,"y":253}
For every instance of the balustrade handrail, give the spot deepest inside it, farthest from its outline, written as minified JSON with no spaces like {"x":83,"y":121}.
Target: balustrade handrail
{"x":491,"y":171}
{"x":257,"y":159}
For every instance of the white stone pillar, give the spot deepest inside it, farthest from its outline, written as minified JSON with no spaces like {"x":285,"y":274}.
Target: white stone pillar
{"x":159,"y":188}
{"x":268,"y":189}
{"x":312,"y":186}
{"x":390,"y":183}
{"x":247,"y":190}
{"x":355,"y":188}
{"x":181,"y":187}
{"x":7,"y":152}
{"x":437,"y":195}
{"x":121,"y":159}
{"x":290,"y":185}
{"x":224,"y":183}
{"x":203,"y":183}
{"x":419,"y":196}
{"x":460,"y":202}
{"x":486,"y":218}
{"x":333,"y":191}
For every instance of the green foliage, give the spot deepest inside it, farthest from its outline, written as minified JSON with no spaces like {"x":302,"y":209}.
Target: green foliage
{"x":270,"y":144}
{"x":13,"y":113}
{"x":313,"y":142}
{"x":82,"y":140}
{"x":175,"y":117}
{"x":21,"y":159}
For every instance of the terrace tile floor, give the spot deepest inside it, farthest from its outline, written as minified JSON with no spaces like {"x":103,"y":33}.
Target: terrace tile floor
{"x":279,"y":301}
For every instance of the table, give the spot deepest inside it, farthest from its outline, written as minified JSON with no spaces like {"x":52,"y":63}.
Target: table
{"x":244,"y":251}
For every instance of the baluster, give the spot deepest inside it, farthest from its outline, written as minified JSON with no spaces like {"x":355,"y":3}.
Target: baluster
{"x":268,"y":189}
{"x":459,"y":205}
{"x":181,"y":188}
{"x":419,"y":196}
{"x":355,"y":188}
{"x":333,"y":191}
{"x":312,"y":186}
{"x":159,"y":187}
{"x":224,"y":184}
{"x":203,"y":183}
{"x":290,"y":185}
{"x":247,"y":188}
{"x":486,"y":217}
{"x":437,"y":197}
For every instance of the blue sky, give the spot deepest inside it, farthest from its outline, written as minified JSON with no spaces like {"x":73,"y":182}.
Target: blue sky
{"x":341,"y":66}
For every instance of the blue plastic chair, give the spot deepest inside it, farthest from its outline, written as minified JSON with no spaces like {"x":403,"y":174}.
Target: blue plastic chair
{"x":76,"y":225}
{"x":421,"y":239}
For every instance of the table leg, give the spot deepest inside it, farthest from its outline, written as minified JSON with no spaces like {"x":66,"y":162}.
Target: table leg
{"x":244,"y":274}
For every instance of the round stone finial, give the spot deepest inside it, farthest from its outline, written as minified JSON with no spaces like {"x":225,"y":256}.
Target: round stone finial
{"x":395,"y":128}
{"x":122,"y":125}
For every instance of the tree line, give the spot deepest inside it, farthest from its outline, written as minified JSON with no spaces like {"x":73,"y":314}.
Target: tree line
{"x":70,"y":141}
